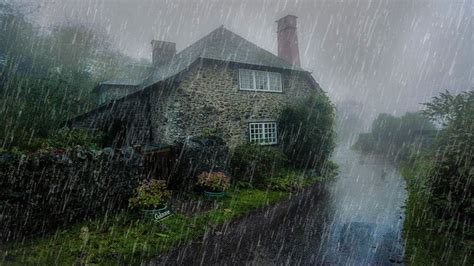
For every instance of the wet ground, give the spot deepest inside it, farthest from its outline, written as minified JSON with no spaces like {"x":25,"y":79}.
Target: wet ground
{"x":356,"y":219}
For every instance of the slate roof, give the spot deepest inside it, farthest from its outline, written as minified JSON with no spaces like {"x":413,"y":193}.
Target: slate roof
{"x":221,"y":44}
{"x":130,"y":75}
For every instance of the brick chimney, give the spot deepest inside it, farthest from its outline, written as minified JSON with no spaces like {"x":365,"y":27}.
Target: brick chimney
{"x":288,"y":40}
{"x":162,"y":52}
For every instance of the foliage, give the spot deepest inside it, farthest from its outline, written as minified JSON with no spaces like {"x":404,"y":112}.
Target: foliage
{"x":151,"y":194}
{"x":48,"y":75}
{"x":365,"y":143}
{"x":430,"y":240}
{"x":397,"y":136}
{"x":66,"y":138}
{"x":290,"y":180}
{"x":57,"y":187}
{"x":330,"y":169}
{"x":307,"y":131}
{"x":451,"y":180}
{"x":440,"y":185}
{"x":213,"y":181}
{"x":253,"y":162}
{"x":33,"y":108}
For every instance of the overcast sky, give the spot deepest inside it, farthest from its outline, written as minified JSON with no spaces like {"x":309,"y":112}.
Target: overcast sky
{"x":389,"y":55}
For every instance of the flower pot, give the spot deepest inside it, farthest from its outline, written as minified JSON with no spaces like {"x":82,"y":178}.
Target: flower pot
{"x":158,"y":214}
{"x":214,"y":195}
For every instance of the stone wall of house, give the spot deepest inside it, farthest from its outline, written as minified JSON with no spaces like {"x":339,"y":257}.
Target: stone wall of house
{"x":209,"y":97}
{"x":131,"y":113}
{"x":206,"y":97}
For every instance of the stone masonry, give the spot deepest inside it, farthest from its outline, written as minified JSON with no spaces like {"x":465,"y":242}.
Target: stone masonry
{"x":208,"y":97}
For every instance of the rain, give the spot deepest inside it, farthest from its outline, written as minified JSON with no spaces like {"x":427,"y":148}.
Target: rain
{"x":256,"y":132}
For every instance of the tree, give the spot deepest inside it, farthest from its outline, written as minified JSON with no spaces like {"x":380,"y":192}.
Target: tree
{"x":452,"y":175}
{"x":48,"y":77}
{"x":397,"y":136}
{"x":306,"y":131}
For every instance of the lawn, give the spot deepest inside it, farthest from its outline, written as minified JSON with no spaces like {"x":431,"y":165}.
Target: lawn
{"x":126,"y":239}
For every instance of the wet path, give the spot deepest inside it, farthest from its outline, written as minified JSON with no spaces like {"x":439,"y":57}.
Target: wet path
{"x":355,"y":220}
{"x":358,"y":220}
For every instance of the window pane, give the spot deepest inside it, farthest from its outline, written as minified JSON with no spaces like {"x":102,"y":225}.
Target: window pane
{"x":261,"y":80}
{"x":263,"y":133}
{"x":246,"y":79}
{"x":275,"y":81}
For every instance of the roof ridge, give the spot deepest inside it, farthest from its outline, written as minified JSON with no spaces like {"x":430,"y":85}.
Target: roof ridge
{"x":201,"y":39}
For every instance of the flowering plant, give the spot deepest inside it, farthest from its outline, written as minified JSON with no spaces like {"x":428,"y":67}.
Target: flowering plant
{"x":215,"y":182}
{"x":151,"y":194}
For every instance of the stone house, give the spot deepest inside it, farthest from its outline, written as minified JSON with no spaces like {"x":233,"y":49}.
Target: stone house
{"x":221,"y":82}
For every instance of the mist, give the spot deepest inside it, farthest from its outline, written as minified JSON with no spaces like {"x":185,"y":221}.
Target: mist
{"x":207,"y":149}
{"x":390,"y":56}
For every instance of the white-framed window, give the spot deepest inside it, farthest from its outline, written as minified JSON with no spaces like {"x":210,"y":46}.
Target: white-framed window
{"x":255,"y":80}
{"x":263,"y":133}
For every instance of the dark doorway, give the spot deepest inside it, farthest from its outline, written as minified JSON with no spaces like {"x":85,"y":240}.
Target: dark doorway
{"x":116,"y":134}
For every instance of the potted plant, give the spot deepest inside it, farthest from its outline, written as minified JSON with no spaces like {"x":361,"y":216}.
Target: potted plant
{"x":214,"y":183}
{"x":152,"y":197}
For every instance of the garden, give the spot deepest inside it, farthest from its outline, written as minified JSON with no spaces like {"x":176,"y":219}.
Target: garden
{"x":105,"y":209}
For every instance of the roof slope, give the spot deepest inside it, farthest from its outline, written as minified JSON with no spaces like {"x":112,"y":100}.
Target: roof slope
{"x":220,"y":44}
{"x":130,"y":75}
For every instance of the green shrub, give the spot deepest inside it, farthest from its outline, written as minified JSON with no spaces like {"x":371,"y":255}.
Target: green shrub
{"x":287,"y":181}
{"x":330,"y":169}
{"x":252,"y":162}
{"x":66,"y":138}
{"x":306,"y":131}
{"x":151,"y":194}
{"x":215,"y":182}
{"x":450,"y":180}
{"x":290,"y":180}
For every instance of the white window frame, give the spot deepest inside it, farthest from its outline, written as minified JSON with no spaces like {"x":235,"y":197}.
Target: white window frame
{"x":268,"y":74}
{"x":261,"y":138}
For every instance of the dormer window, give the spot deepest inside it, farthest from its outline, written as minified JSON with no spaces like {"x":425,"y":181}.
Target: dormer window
{"x":255,"y":80}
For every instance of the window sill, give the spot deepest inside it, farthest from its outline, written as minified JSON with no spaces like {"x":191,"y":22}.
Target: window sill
{"x":281,"y":92}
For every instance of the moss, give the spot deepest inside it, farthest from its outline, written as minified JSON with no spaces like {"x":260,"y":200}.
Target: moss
{"x":125,"y":239}
{"x":427,"y":240}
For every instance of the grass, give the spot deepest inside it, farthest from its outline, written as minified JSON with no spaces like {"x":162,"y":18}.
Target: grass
{"x":126,"y":239}
{"x":427,"y":243}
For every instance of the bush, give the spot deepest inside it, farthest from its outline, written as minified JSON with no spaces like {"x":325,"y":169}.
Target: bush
{"x":290,"y":180}
{"x":214,"y":182}
{"x":330,"y":169}
{"x":66,"y":138}
{"x":287,"y":181}
{"x":252,"y":162}
{"x":57,"y":187}
{"x":151,"y":194}
{"x":450,"y":180}
{"x":307,"y":132}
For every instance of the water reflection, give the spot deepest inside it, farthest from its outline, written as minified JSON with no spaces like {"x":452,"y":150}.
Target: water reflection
{"x":357,"y":220}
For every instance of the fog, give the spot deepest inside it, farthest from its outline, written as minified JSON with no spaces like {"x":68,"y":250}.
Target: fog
{"x":389,"y":55}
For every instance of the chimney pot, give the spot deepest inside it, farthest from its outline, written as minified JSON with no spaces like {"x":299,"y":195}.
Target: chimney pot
{"x":163,"y":52}
{"x":288,"y":40}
